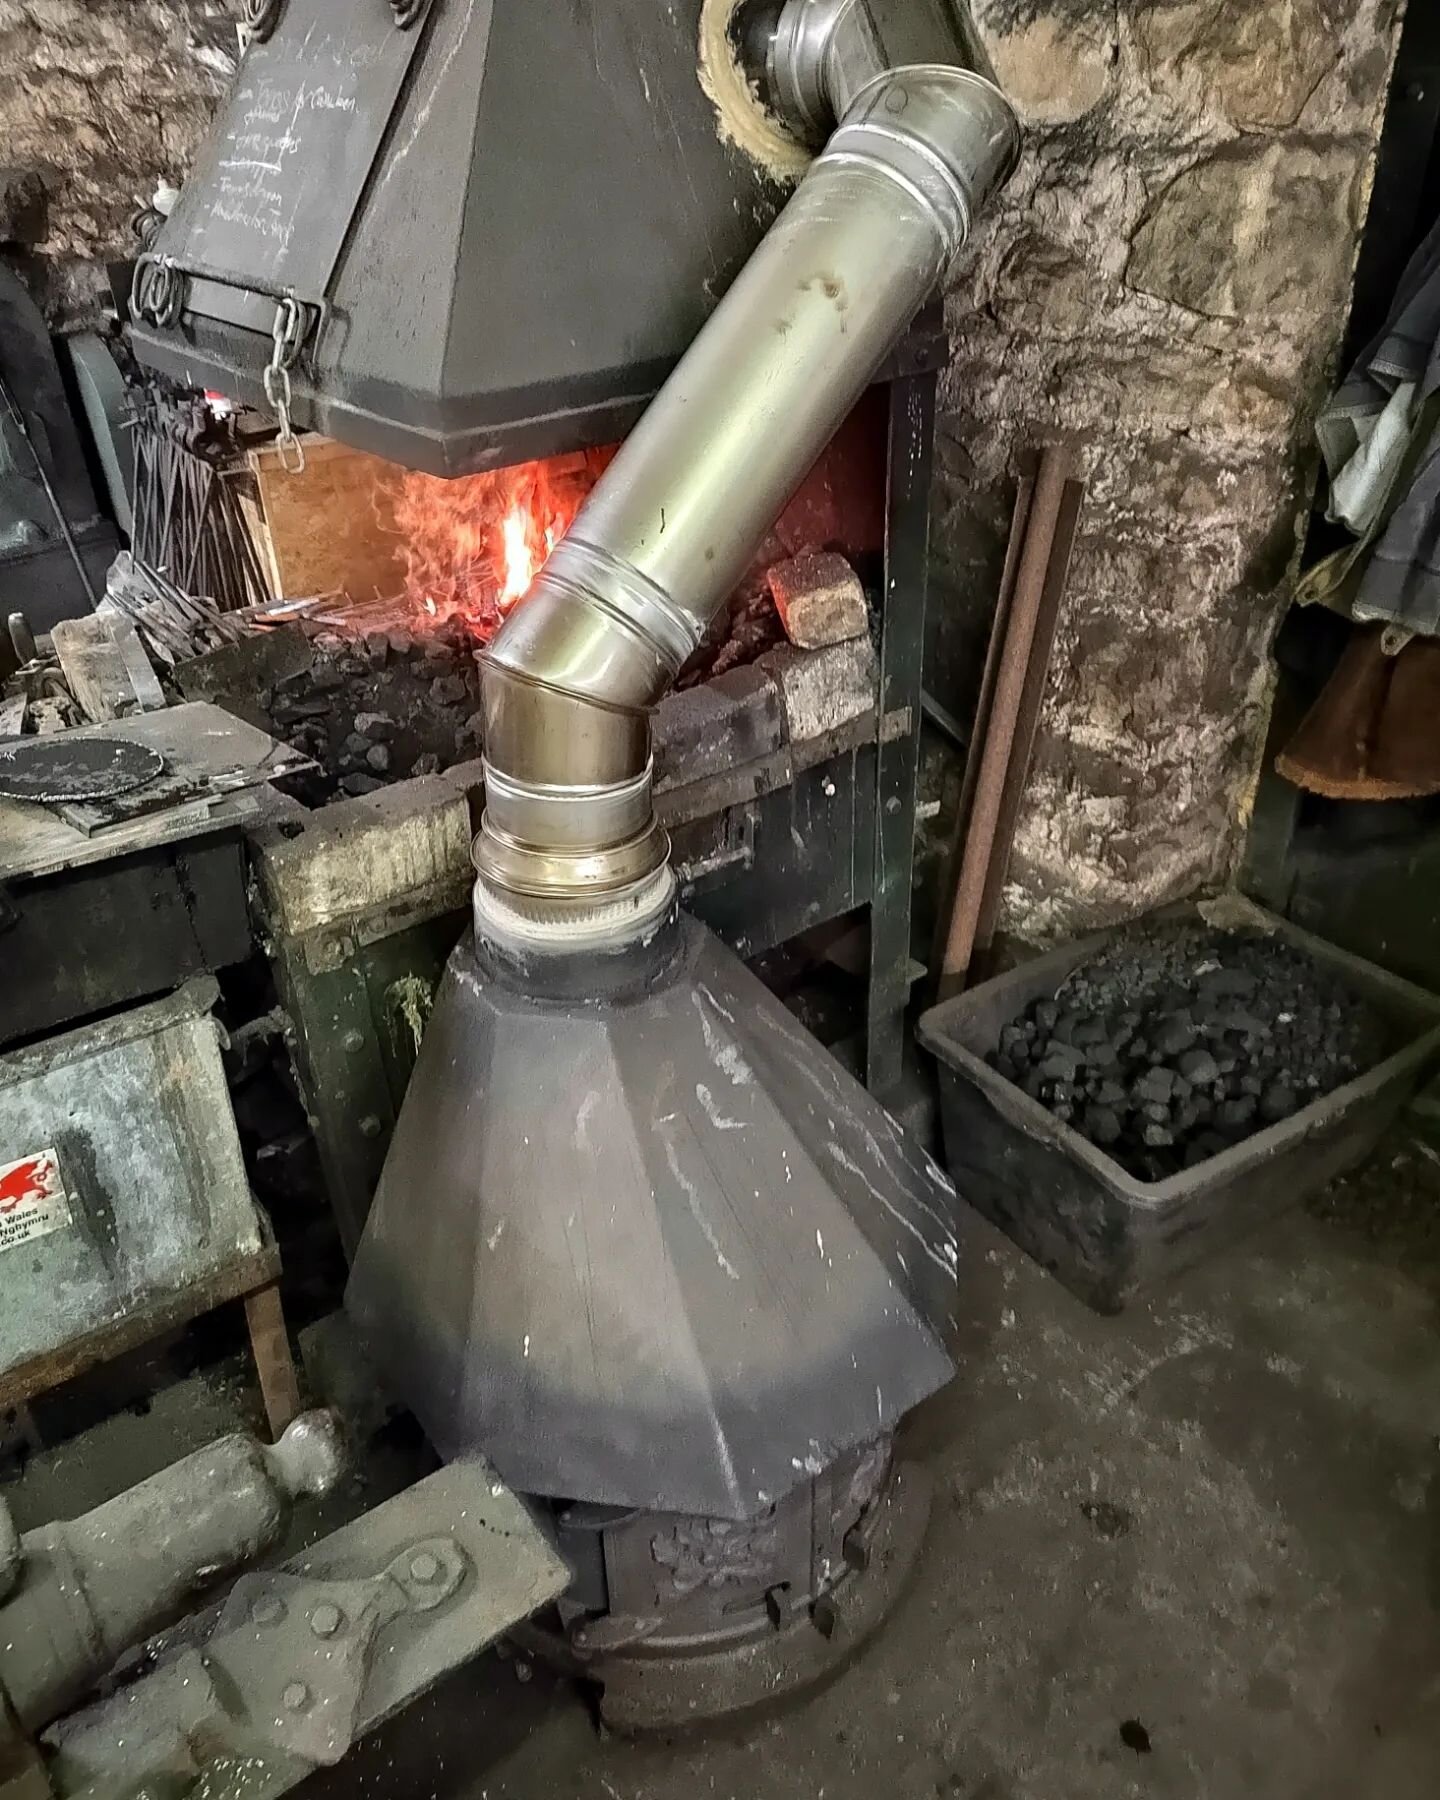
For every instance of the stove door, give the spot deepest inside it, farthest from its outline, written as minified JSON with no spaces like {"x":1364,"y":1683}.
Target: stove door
{"x":285,"y":169}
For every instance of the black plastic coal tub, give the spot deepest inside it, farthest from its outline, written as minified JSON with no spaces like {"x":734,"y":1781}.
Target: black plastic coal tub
{"x":1101,"y":1230}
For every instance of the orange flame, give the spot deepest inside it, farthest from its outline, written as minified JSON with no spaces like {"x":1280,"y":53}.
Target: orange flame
{"x":472,"y":545}
{"x":520,"y":563}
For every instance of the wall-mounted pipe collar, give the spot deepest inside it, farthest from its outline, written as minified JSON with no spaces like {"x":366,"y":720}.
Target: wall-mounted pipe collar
{"x":821,"y":54}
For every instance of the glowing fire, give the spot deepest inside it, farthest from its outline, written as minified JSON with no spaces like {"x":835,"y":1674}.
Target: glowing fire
{"x":519,"y":563}
{"x":473,"y":545}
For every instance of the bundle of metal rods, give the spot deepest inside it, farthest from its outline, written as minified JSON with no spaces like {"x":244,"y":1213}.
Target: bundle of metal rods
{"x":188,"y":523}
{"x":173,"y":624}
{"x":1012,"y":689}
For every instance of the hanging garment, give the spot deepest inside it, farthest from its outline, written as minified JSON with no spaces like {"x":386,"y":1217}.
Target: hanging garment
{"x":1372,"y":733}
{"x":1380,"y":435}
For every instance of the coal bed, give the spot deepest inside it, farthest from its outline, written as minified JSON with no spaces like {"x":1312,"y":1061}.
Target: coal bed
{"x":375,"y":706}
{"x":1174,"y":1043}
{"x":378,"y":707}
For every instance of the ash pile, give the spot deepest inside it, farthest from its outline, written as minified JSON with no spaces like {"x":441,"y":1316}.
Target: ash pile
{"x":1174,"y":1043}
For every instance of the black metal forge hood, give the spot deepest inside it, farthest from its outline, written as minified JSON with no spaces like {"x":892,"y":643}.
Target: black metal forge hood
{"x":499,"y":225}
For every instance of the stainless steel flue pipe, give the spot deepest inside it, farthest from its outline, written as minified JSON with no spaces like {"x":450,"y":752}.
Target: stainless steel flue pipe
{"x":673,"y":524}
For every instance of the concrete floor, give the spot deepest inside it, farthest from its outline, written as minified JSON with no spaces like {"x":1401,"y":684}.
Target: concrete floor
{"x":1194,"y":1551}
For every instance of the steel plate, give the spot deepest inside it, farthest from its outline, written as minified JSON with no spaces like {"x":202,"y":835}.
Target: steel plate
{"x":66,"y":767}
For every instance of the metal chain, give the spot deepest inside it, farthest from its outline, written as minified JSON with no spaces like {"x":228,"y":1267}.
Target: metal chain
{"x":287,"y":334}
{"x":258,"y":19}
{"x":159,"y":292}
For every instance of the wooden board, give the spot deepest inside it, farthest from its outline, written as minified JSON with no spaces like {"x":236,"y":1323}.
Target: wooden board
{"x":168,"y":794}
{"x":354,"y":549}
{"x":159,"y":1313}
{"x":40,"y":844}
{"x":106,"y":667}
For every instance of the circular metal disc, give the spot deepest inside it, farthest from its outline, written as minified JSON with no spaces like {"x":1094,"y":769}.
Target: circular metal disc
{"x":69,"y":767}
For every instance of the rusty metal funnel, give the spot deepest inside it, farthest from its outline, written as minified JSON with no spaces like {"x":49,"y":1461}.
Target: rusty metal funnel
{"x":642,"y":1241}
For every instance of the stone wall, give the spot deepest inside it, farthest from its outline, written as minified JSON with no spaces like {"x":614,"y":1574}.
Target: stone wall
{"x":1164,"y":285}
{"x":99,"y":99}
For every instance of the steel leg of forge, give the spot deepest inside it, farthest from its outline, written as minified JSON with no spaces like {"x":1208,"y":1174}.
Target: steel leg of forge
{"x":902,"y":649}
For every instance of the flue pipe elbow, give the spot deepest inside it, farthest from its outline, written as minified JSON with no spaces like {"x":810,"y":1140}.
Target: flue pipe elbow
{"x":662,"y":541}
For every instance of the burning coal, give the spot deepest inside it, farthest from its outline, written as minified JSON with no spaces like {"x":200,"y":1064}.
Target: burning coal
{"x":473,"y":544}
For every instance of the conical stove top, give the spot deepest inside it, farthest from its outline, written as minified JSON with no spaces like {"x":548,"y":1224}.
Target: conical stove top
{"x":643,"y":1242}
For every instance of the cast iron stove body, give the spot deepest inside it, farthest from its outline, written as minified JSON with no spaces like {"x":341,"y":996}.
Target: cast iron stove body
{"x":683,"y":1277}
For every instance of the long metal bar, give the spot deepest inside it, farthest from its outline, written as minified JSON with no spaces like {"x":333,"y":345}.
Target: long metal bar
{"x":994,"y":655}
{"x":902,"y":652}
{"x":1027,"y":722}
{"x":12,"y":406}
{"x":994,"y":753}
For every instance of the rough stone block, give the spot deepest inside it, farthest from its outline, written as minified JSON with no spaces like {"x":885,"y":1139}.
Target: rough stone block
{"x":1261,"y":60}
{"x":1053,"y":68}
{"x":389,"y":850}
{"x":1253,"y":230}
{"x":825,"y":689}
{"x":735,"y":719}
{"x":819,"y":599}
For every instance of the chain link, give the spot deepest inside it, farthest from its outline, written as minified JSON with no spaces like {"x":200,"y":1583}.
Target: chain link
{"x":286,"y":335}
{"x":158,"y":293}
{"x":258,"y":19}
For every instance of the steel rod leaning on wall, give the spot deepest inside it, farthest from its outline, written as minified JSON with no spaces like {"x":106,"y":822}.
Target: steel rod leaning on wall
{"x":974,"y":740}
{"x":1017,"y":773}
{"x":995,"y":744}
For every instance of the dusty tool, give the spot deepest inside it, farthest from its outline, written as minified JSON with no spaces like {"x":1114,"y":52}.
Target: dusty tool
{"x":243,"y":1700}
{"x":78,"y":1594}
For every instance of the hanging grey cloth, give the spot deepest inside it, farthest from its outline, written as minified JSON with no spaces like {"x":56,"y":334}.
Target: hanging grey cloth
{"x":1380,"y":434}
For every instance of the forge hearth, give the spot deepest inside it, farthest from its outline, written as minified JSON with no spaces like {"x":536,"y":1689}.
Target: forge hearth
{"x":379,"y":707}
{"x":382,"y":682}
{"x":382,"y":704}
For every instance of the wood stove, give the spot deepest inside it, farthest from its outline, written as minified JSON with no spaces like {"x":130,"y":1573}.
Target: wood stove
{"x":636,"y":1236}
{"x":787,"y":785}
